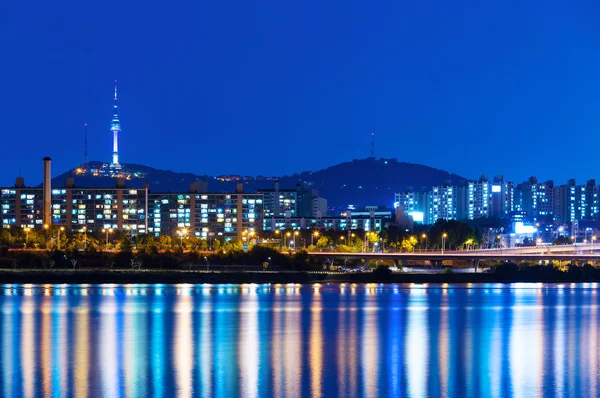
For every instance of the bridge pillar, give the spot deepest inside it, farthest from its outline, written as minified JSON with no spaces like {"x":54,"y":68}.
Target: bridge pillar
{"x":395,"y":262}
{"x":475,"y":264}
{"x":437,"y":263}
{"x":367,"y":262}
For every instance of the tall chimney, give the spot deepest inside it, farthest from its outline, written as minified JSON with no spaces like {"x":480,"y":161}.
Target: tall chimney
{"x":47,"y":191}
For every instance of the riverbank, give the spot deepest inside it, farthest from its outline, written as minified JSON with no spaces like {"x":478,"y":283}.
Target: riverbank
{"x":171,"y":277}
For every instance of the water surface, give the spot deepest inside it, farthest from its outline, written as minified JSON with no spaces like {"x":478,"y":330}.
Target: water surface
{"x":372,"y":340}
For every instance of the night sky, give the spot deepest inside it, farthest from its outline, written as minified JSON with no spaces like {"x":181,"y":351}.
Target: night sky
{"x":277,"y":87}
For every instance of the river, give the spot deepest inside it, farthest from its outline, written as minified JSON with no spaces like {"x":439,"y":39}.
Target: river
{"x":372,"y":340}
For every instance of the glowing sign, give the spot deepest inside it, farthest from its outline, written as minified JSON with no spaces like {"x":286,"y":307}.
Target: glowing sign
{"x":520,"y":228}
{"x":496,"y":188}
{"x":417,"y":216}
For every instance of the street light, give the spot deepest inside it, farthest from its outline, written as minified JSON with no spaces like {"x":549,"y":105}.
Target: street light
{"x":538,"y":241}
{"x":287,"y":235}
{"x":277,"y":232}
{"x":182,"y":232}
{"x":312,"y":237}
{"x":444,"y":236}
{"x":296,"y":233}
{"x":424,"y":236}
{"x":108,"y":231}
{"x":58,"y":240}
{"x":84,"y":229}
{"x":27,"y":229}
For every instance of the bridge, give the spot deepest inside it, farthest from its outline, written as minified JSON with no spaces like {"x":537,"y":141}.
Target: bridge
{"x":580,"y":253}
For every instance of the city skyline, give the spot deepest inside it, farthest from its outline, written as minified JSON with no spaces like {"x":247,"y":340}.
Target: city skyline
{"x":431,"y":82}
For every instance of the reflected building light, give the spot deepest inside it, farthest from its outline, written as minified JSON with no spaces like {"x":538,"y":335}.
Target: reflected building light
{"x":7,"y":325}
{"x":183,"y":345}
{"x":82,"y":349}
{"x":133,"y":344}
{"x":205,"y":350}
{"x":417,"y":350}
{"x":277,"y":348}
{"x":27,"y":343}
{"x":316,"y":345}
{"x":59,"y":358}
{"x":108,"y":354}
{"x":444,"y":346}
{"x":46,"y":350}
{"x":292,"y":356}
{"x":370,"y":347}
{"x":525,"y":355}
{"x":157,"y":347}
{"x":249,"y":344}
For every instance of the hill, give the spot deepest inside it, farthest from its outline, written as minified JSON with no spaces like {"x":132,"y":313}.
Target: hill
{"x":359,"y":182}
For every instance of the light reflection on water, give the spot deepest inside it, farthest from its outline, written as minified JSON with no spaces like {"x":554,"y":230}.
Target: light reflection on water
{"x":290,"y":340}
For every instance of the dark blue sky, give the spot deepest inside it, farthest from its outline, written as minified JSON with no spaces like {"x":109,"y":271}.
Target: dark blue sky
{"x":274,"y":87}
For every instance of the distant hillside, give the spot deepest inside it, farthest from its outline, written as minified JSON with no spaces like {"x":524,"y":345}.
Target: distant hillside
{"x":359,"y":182}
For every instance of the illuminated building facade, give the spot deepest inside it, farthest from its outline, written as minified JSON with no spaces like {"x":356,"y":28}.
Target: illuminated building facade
{"x":479,"y":198}
{"x":118,"y":208}
{"x":300,"y":202}
{"x":341,"y":223}
{"x":206,"y":215}
{"x":444,"y":202}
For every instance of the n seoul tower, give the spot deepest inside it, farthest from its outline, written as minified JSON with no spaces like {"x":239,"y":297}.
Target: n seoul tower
{"x":115,"y":127}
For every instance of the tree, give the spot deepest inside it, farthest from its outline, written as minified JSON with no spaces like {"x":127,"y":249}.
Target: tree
{"x":125,"y":244}
{"x":323,"y":242}
{"x":407,"y":245}
{"x":563,"y":240}
{"x":373,"y":237}
{"x":203,"y":245}
{"x":165,"y":242}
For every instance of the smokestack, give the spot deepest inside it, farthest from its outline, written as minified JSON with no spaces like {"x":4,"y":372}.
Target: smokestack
{"x":70,"y":182}
{"x":47,"y":191}
{"x":239,"y":188}
{"x":20,"y":183}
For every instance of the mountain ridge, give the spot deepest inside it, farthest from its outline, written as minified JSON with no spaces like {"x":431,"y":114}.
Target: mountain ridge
{"x":360,"y":182}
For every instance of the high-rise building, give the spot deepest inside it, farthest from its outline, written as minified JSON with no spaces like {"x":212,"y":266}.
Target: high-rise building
{"x":297,"y":202}
{"x":479,"y":199}
{"x":223,"y":216}
{"x":444,"y":202}
{"x":118,"y":208}
{"x":502,"y":197}
{"x":413,"y":203}
{"x":319,"y":207}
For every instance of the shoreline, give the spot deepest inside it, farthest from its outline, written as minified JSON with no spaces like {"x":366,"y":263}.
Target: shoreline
{"x":238,"y":277}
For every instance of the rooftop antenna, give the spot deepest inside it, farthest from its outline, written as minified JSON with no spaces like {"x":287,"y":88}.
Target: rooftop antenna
{"x":85,"y":153}
{"x":372,"y":145}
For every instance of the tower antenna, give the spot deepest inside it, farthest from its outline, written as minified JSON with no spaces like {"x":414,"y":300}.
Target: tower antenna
{"x":372,"y":145}
{"x":115,"y":127}
{"x":85,"y":153}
